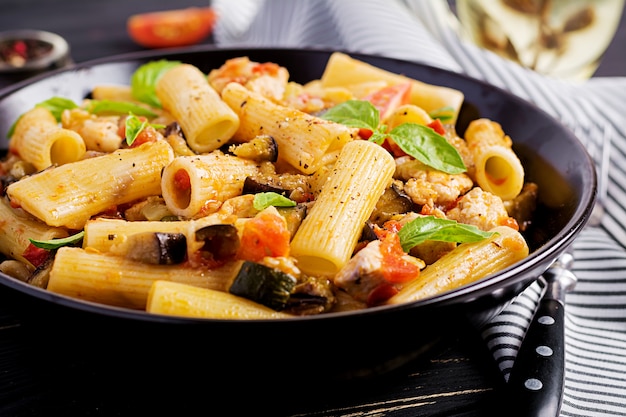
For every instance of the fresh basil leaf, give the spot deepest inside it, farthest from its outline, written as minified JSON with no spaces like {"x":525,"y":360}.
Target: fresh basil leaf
{"x":445,"y":114}
{"x":144,"y":79}
{"x":428,"y":147}
{"x":118,"y":107}
{"x":56,"y":105}
{"x":57,"y":243}
{"x":264,"y":200}
{"x":433,"y":228}
{"x":133,"y":126}
{"x":354,"y":113}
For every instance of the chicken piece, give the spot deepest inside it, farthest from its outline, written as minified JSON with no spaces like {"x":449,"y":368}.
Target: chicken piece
{"x":99,"y":133}
{"x":364,"y":272}
{"x":427,"y":186}
{"x":481,"y":209}
{"x":268,"y":79}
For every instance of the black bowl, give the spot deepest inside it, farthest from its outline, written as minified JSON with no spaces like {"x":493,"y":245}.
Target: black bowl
{"x":334,"y":346}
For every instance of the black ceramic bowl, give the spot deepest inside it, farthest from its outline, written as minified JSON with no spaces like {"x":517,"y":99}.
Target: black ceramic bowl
{"x":335,"y":346}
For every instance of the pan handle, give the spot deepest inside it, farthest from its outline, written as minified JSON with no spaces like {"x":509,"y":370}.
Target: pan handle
{"x":536,"y":380}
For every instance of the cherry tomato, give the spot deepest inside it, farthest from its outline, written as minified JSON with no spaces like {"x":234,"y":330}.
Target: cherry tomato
{"x":171,"y":28}
{"x":387,"y":99}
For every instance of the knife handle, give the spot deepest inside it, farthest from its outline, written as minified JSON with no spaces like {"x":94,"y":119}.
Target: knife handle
{"x":536,"y":380}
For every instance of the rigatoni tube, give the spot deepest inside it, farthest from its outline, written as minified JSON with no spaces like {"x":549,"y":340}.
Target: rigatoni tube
{"x":189,"y":183}
{"x":172,"y":298}
{"x":68,"y":195}
{"x":39,"y":139}
{"x":207,"y":121}
{"x":115,"y":280}
{"x":303,"y":139}
{"x":466,"y":263}
{"x":328,"y":235}
{"x":498,"y":169}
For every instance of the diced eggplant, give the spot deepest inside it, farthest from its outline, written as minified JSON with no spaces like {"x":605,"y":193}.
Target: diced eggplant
{"x":264,"y":285}
{"x":158,"y":248}
{"x":393,"y":201}
{"x":221,"y":241}
{"x":261,"y":148}
{"x":368,"y":234}
{"x":255,"y":185}
{"x":293,"y":216}
{"x":173,"y":129}
{"x":311,"y":296}
{"x":522,"y":207}
{"x":41,"y":274}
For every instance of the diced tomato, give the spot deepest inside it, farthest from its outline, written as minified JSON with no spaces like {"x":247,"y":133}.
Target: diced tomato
{"x":147,"y":134}
{"x":511,"y":222}
{"x":396,"y":269}
{"x":35,"y":255}
{"x":365,"y":133}
{"x":266,"y":68}
{"x":387,"y":99}
{"x":264,"y":235}
{"x":381,"y":294}
{"x":437,"y":126}
{"x":182,"y":180}
{"x":171,"y":28}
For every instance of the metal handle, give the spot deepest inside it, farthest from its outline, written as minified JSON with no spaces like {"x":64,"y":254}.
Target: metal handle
{"x":536,"y":380}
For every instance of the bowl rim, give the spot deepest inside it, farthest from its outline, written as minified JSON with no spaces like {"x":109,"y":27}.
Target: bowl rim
{"x":543,"y":255}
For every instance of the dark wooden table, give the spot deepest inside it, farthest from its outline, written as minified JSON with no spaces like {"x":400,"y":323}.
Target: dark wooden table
{"x":457,"y":378}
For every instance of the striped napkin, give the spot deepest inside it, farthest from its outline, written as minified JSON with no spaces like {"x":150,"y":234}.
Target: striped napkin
{"x":425,"y":32}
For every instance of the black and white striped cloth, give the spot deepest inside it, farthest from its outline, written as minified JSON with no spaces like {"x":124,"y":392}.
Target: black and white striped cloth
{"x":424,"y":31}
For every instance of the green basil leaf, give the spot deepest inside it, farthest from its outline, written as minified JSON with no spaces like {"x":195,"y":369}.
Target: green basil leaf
{"x":133,"y":126}
{"x":57,"y":243}
{"x":118,"y":107}
{"x":264,"y":200}
{"x":56,"y":105}
{"x":428,"y":147}
{"x":354,"y":113}
{"x":445,"y":114}
{"x":433,"y":228}
{"x":144,"y":79}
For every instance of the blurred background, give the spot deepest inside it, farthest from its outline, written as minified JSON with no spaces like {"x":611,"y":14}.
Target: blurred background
{"x":109,"y":34}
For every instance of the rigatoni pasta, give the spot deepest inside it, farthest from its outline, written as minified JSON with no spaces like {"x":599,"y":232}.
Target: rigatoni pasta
{"x":252,"y":196}
{"x":39,"y":139}
{"x":207,"y":121}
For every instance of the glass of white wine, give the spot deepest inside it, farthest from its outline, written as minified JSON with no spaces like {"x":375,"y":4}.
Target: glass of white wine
{"x":560,"y":38}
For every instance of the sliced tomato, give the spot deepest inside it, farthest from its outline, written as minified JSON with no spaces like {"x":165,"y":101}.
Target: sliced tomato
{"x":389,"y":98}
{"x":171,"y":28}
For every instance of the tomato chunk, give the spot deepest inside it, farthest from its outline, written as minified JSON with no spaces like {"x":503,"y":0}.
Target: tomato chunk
{"x":387,"y":99}
{"x":264,"y":235}
{"x":171,"y":28}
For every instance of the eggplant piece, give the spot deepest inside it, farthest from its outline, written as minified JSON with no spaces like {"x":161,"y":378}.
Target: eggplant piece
{"x":311,"y":296}
{"x":393,"y":201}
{"x":158,"y":248}
{"x":522,"y":207}
{"x":221,"y":241}
{"x":255,"y":185}
{"x":261,"y":148}
{"x":270,"y":287}
{"x":173,"y":129}
{"x":41,"y":274}
{"x":293,"y":216}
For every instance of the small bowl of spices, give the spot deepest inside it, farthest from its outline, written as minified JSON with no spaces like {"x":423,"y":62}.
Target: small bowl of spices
{"x":26,"y":52}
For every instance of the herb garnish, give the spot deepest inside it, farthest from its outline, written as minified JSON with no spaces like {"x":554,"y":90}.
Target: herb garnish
{"x":118,"y":107}
{"x":433,"y":228}
{"x":264,"y":200}
{"x":134,"y":125}
{"x":421,"y":142}
{"x":57,"y":243}
{"x":144,"y":79}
